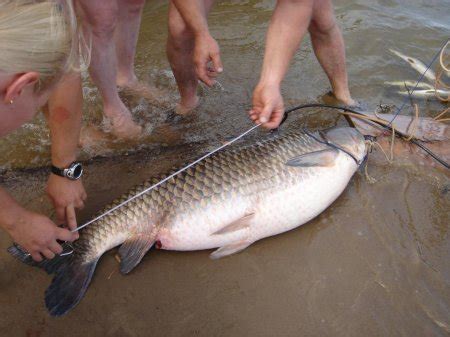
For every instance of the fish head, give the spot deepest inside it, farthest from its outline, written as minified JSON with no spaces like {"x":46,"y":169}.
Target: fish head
{"x":349,"y":139}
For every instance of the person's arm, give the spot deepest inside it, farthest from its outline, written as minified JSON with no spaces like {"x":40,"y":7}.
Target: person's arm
{"x":34,"y":232}
{"x":64,"y":114}
{"x":288,"y":25}
{"x":206,"y":49}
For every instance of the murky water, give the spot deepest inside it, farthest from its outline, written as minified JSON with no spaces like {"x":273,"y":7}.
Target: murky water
{"x":373,"y":264}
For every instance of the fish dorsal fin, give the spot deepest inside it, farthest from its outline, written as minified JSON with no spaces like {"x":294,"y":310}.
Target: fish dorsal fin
{"x":237,"y":225}
{"x":133,"y":250}
{"x":318,"y":158}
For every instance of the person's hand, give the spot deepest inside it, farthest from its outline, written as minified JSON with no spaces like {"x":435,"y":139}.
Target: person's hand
{"x":66,"y":195}
{"x":206,"y":58}
{"x":268,"y":106}
{"x":37,"y":234}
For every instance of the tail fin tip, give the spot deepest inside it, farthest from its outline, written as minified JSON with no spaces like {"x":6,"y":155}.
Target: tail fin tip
{"x":68,"y":287}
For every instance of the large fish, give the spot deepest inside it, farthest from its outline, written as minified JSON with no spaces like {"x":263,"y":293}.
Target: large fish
{"x":228,"y":201}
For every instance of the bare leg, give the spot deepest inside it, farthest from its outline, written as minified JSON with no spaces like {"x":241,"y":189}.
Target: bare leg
{"x":126,"y":36}
{"x":329,"y":48}
{"x":180,"y":45}
{"x":100,"y":18}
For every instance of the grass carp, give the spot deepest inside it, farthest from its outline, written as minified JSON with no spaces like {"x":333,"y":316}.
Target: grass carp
{"x":227,"y":201}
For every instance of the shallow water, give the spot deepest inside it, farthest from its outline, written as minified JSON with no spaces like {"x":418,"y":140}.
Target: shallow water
{"x":373,"y":264}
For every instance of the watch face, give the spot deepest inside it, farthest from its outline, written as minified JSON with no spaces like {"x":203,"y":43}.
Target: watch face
{"x":75,"y":171}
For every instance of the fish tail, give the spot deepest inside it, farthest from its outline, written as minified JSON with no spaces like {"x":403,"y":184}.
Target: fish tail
{"x":69,"y":285}
{"x":50,"y":266}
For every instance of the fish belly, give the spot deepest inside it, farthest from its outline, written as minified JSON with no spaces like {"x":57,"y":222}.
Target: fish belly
{"x":270,"y":211}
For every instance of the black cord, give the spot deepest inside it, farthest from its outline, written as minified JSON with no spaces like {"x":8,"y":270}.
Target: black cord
{"x":431,"y":153}
{"x":325,"y":141}
{"x":387,"y":127}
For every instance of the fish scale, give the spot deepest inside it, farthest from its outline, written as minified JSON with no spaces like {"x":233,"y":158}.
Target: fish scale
{"x":182,"y":189}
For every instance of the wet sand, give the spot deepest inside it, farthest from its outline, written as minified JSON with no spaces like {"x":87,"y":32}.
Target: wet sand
{"x":359,"y":269}
{"x":374,"y":264}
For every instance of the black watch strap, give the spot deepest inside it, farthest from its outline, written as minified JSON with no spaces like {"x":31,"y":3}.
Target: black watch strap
{"x":57,"y":171}
{"x":73,"y":172}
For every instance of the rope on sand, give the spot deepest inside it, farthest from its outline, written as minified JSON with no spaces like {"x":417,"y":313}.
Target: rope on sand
{"x":442,"y":113}
{"x":414,"y":123}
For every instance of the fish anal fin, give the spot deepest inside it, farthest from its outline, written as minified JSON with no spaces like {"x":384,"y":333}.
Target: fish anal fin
{"x":229,"y":249}
{"x":318,"y":158}
{"x":237,"y":225}
{"x":133,"y":250}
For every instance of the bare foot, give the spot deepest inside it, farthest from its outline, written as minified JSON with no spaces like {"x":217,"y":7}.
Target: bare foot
{"x":90,"y":136}
{"x":124,"y":127}
{"x":345,"y":98}
{"x":331,"y":98}
{"x":185,"y":108}
{"x":142,"y":89}
{"x":122,"y":124}
{"x":347,"y":101}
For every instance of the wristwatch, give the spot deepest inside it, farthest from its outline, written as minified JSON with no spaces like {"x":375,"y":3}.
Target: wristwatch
{"x":73,"y":172}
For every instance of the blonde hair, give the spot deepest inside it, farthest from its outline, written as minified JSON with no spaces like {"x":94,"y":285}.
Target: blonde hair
{"x":38,"y":36}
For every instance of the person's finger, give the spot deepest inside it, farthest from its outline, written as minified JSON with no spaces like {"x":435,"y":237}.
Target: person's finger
{"x":254,"y":117}
{"x":271,"y":125}
{"x":212,"y":74}
{"x":71,"y":217}
{"x":265,"y":114}
{"x":56,"y":248}
{"x":66,"y":235}
{"x":275,"y":120}
{"x":79,"y":204}
{"x":60,"y":215}
{"x":202,"y":74}
{"x":36,"y":256}
{"x":217,"y":62}
{"x":48,"y":253}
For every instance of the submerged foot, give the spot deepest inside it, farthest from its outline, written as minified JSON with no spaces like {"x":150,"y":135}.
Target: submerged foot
{"x":346,"y":101}
{"x":187,"y":107}
{"x":182,"y":110}
{"x":145,"y":90}
{"x":90,"y":136}
{"x":122,"y":124}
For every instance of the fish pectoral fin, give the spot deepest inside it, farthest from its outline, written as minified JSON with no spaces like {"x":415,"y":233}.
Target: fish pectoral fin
{"x":230,"y":249}
{"x":237,"y":225}
{"x":318,"y":158}
{"x":133,"y":250}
